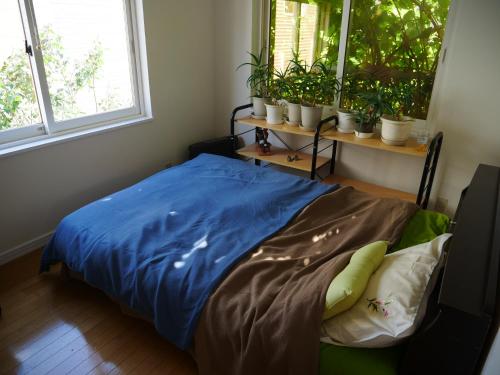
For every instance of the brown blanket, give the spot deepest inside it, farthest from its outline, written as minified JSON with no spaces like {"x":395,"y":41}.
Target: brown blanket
{"x":265,"y":317}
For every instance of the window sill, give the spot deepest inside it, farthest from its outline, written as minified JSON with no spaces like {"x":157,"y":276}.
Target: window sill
{"x":67,"y":136}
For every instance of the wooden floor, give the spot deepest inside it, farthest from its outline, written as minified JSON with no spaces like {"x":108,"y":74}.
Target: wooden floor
{"x":53,"y":326}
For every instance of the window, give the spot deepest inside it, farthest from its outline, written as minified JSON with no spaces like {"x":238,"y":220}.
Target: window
{"x":68,"y":64}
{"x":395,"y":44}
{"x":311,"y":28}
{"x":290,"y":7}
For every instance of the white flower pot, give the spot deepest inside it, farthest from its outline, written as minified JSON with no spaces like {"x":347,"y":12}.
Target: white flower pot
{"x":347,"y":121}
{"x":396,"y":132}
{"x":259,"y":106}
{"x":363,"y":135}
{"x":274,"y":114}
{"x":294,"y":114}
{"x":311,"y":116}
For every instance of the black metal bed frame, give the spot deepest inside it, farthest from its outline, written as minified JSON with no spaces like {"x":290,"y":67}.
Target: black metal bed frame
{"x":428,"y":173}
{"x":461,"y":320}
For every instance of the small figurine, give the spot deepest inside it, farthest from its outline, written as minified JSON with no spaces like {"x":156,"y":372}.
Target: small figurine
{"x":263,"y":146}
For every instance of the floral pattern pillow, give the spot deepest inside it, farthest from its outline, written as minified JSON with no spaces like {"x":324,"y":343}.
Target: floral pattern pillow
{"x":394,"y":302}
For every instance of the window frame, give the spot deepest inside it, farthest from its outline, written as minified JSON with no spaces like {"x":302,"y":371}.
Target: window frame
{"x":52,"y":129}
{"x":264,"y":40}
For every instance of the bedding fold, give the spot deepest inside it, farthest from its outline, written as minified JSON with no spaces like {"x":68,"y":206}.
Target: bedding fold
{"x":162,"y":246}
{"x":265,"y":317}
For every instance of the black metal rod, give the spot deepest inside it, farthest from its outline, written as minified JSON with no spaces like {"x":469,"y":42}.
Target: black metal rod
{"x":233,"y":116}
{"x":429,"y":171}
{"x":333,"y":160}
{"x":303,"y":147}
{"x":316,"y":141}
{"x":281,"y":140}
{"x":248,"y":131}
{"x":325,"y":148}
{"x":257,"y":130}
{"x":433,"y":170}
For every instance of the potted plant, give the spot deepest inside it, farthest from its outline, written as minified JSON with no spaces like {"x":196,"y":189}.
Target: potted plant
{"x":259,"y":82}
{"x":329,"y":87}
{"x":311,"y":94}
{"x":346,"y":113}
{"x":277,"y":90}
{"x":293,"y":99}
{"x":293,"y":92}
{"x":366,"y":119}
{"x":396,"y":125}
{"x":376,"y":104}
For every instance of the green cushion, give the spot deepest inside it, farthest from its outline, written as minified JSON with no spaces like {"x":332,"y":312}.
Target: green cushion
{"x":340,"y":360}
{"x":423,"y":227}
{"x":349,"y":285}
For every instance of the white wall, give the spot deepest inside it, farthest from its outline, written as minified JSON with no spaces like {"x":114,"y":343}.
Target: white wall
{"x":233,"y":38}
{"x":467,"y":104}
{"x":464,"y":104}
{"x":39,"y":187}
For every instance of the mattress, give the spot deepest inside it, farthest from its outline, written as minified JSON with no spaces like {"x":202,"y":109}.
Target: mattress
{"x":161,"y":246}
{"x":160,"y":227}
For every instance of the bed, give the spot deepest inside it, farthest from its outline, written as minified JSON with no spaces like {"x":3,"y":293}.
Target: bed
{"x":223,"y":270}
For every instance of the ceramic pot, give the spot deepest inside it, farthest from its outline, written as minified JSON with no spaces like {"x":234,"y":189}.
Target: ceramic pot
{"x":259,"y":106}
{"x":311,"y":116}
{"x":294,"y":114}
{"x":363,"y":135}
{"x":347,"y":121}
{"x":274,"y":114}
{"x":396,"y":132}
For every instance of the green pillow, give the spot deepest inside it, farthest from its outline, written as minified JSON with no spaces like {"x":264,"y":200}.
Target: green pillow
{"x":423,"y":227}
{"x":349,"y":285}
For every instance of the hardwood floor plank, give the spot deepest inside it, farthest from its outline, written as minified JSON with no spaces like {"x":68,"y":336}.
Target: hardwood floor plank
{"x":81,"y":348}
{"x":51,"y":326}
{"x":152,"y":346}
{"x":95,"y":316}
{"x":19,"y":270}
{"x":115,"y":350}
{"x":142,"y":348}
{"x":41,"y":324}
{"x":61,"y":305}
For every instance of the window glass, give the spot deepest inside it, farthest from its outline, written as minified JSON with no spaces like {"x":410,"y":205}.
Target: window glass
{"x":18,"y":103}
{"x":311,"y":28}
{"x":391,"y":44}
{"x":396,"y":44}
{"x":86,"y":56}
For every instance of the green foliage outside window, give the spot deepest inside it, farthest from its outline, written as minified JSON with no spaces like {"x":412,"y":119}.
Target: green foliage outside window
{"x":394,"y":45}
{"x":18,"y":103}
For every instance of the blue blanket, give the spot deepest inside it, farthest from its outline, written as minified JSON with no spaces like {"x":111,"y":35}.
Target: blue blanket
{"x":164,"y":244}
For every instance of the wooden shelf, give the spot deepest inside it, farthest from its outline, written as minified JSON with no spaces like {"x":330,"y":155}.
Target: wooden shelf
{"x":411,"y":148}
{"x":278,"y":128}
{"x":372,"y":189}
{"x":279,"y":157}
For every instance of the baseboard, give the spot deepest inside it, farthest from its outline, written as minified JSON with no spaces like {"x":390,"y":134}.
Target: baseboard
{"x":25,"y":248}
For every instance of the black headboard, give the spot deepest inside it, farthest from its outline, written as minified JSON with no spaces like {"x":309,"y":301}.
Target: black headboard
{"x":453,"y":338}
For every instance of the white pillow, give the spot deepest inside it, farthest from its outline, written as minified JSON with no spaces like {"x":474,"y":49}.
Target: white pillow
{"x":394,"y":302}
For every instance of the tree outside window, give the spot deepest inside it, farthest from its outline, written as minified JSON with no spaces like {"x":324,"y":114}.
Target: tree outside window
{"x":395,"y":44}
